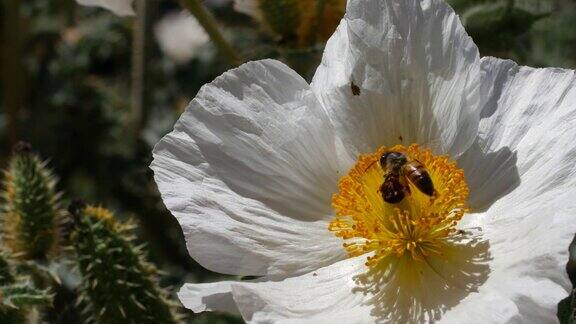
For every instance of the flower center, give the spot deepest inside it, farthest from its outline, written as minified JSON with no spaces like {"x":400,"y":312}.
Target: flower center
{"x":383,"y":206}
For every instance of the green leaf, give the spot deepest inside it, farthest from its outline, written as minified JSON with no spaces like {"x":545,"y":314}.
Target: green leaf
{"x":554,"y":40}
{"x":494,"y":27}
{"x":460,"y":5}
{"x":6,"y":275}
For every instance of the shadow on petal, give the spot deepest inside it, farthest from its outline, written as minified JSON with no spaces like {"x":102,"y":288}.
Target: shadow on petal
{"x":371,"y":119}
{"x":490,"y":175}
{"x":403,"y":290}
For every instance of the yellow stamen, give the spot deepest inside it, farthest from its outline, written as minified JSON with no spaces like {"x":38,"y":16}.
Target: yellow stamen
{"x":418,"y":226}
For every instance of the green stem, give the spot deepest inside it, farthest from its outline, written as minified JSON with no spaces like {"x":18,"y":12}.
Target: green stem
{"x":137,"y":102}
{"x":209,"y":24}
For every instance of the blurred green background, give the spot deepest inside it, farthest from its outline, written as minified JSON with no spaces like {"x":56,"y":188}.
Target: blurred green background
{"x":93,"y":92}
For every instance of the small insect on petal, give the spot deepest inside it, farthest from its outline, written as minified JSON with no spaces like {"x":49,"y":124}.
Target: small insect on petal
{"x":355,"y":89}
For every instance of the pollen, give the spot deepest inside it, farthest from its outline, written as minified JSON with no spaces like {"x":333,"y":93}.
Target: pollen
{"x":417,"y":227}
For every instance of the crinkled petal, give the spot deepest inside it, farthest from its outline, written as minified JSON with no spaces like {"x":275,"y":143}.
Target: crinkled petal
{"x":527,"y":141}
{"x":519,"y":260}
{"x":530,"y":258}
{"x":528,"y":255}
{"x":522,"y":179}
{"x":516,"y":270}
{"x":249,"y":172}
{"x":118,"y":7}
{"x":325,"y":293}
{"x":317,"y":297}
{"x":333,"y":294}
{"x":216,"y":296}
{"x":401,"y":71}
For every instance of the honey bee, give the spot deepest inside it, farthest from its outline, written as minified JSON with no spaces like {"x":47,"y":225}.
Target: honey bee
{"x":400,"y":171}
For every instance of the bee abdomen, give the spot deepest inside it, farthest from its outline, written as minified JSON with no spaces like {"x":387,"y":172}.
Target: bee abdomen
{"x":392,"y":190}
{"x":419,"y":177}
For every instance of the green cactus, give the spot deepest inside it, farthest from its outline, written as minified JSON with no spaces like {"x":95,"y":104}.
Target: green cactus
{"x":118,"y":285}
{"x":17,"y":298}
{"x":6,"y":276}
{"x":30,"y":214}
{"x":8,"y":314}
{"x":12,"y":315}
{"x":23,"y":295}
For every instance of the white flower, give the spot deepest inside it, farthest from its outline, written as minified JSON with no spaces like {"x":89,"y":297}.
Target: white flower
{"x":118,"y":7}
{"x":251,"y":166}
{"x":180,"y":36}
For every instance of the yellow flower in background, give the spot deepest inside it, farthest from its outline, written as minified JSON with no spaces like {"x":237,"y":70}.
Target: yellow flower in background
{"x":301,"y":21}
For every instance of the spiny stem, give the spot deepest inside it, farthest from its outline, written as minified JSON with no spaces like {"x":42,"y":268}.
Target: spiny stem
{"x":117,"y":282}
{"x":30,"y":211}
{"x":209,"y":24}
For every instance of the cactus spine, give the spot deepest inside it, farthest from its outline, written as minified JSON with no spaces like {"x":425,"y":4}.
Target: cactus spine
{"x":118,"y":285}
{"x":17,"y":295}
{"x":30,"y":212}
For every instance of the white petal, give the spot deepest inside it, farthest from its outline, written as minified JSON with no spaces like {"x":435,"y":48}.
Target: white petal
{"x":527,"y":187}
{"x":249,"y":172}
{"x":417,"y":70}
{"x":180,"y":36}
{"x":215,"y":296}
{"x":337,"y":294}
{"x":317,"y":297}
{"x":528,"y":255}
{"x":118,"y":7}
{"x":513,"y":275}
{"x":527,"y":140}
